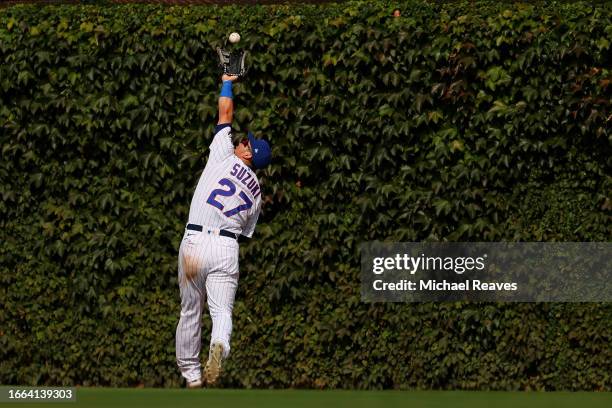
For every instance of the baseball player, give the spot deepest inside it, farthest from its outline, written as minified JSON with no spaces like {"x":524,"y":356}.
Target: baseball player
{"x":226,"y":204}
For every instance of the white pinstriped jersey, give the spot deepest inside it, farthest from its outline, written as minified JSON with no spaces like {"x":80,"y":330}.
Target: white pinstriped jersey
{"x":228,"y":195}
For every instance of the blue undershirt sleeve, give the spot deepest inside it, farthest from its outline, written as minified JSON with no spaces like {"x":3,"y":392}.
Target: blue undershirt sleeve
{"x":221,"y":126}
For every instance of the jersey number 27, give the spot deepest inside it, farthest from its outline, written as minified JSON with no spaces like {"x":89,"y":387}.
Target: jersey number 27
{"x":212,"y":198}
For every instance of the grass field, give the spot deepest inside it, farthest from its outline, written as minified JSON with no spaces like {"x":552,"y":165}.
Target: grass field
{"x":176,"y":398}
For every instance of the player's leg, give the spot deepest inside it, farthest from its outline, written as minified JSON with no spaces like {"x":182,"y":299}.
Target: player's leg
{"x":189,"y":328}
{"x":221,"y":286}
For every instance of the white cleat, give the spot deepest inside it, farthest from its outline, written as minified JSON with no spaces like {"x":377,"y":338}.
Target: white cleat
{"x":194,"y":384}
{"x":213,"y":366}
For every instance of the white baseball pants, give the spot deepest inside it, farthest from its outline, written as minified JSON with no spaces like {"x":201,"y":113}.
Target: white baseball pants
{"x":207,"y":269}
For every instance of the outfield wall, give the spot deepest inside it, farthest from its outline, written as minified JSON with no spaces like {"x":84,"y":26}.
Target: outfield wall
{"x":462,"y":122}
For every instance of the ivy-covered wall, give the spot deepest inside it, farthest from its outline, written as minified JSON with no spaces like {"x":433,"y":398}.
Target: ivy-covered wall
{"x":463,"y":121}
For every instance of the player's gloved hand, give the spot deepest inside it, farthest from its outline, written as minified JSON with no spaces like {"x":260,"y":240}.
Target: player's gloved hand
{"x":232,"y":63}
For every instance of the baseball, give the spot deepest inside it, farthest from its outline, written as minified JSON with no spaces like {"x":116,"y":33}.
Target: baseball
{"x":234,"y":38}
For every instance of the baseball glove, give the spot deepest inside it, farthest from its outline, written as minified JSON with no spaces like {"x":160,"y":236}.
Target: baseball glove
{"x":232,"y":63}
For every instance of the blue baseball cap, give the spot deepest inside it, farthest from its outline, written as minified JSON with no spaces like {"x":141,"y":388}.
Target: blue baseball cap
{"x":262,"y":155}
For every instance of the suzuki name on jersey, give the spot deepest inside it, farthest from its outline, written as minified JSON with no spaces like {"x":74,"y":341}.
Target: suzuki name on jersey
{"x":245,"y":177}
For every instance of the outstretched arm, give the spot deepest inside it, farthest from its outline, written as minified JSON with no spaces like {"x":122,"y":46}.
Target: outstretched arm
{"x":226,"y":102}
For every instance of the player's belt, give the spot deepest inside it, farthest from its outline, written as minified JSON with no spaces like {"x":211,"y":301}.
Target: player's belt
{"x":223,"y":233}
